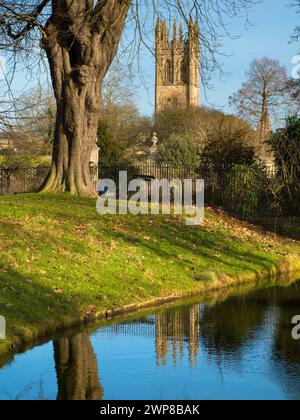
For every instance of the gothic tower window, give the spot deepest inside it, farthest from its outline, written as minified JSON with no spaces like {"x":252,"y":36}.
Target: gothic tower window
{"x":168,"y":72}
{"x":181,"y":73}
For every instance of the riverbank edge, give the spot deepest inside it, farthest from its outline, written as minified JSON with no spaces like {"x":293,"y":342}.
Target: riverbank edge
{"x":286,"y":266}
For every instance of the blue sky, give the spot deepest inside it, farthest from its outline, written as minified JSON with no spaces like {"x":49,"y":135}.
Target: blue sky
{"x":273,"y":24}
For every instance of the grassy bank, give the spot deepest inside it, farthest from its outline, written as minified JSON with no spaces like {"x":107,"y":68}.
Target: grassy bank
{"x":288,"y":226}
{"x":61,"y":262}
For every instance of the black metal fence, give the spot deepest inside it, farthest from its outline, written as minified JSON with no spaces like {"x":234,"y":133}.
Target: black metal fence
{"x":148,"y":169}
{"x":24,"y":180}
{"x":240,"y":189}
{"x":21,"y":180}
{"x":166,"y":171}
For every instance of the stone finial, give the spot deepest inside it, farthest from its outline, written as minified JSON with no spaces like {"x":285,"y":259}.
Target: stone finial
{"x":181,"y":32}
{"x":193,"y":28}
{"x":197,"y":27}
{"x":94,"y":159}
{"x":154,"y":147}
{"x":154,"y":139}
{"x":175,"y":31}
{"x":165,"y":32}
{"x":158,"y":24}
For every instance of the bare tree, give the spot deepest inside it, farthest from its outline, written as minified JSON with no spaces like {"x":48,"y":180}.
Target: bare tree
{"x":294,"y":84}
{"x":296,"y":35}
{"x":81,"y":39}
{"x":264,"y":95}
{"x":118,"y":86}
{"x":294,"y":89}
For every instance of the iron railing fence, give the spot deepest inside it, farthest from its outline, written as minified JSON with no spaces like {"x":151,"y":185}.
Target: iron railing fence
{"x":242,"y":190}
{"x":238,"y":189}
{"x":157,"y":171}
{"x":168,"y":171}
{"x":17,"y":180}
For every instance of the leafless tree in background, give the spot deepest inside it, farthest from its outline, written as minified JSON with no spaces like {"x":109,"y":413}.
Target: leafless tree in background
{"x":80,"y":40}
{"x":264,"y":95}
{"x":296,"y":35}
{"x":118,"y":86}
{"x":294,"y":83}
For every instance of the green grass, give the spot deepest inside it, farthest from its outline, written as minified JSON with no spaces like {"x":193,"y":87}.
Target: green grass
{"x":60,"y":261}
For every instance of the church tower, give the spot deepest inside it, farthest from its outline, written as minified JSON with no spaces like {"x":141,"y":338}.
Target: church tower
{"x":177,"y":67}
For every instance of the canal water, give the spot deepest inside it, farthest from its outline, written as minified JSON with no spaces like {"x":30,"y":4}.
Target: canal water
{"x":234,"y":344}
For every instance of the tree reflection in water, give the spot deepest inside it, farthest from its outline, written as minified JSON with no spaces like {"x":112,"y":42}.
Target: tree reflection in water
{"x":227,"y":326}
{"x":76,"y":369}
{"x":227,"y":329}
{"x":286,"y":350}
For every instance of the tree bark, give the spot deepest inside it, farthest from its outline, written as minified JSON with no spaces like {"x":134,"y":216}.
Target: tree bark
{"x":264,"y":122}
{"x":80,"y":42}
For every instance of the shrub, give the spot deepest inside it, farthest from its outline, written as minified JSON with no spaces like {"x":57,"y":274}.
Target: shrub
{"x":110,"y":151}
{"x":243,"y":190}
{"x":226,"y":148}
{"x":285,"y":143}
{"x":179,"y":150}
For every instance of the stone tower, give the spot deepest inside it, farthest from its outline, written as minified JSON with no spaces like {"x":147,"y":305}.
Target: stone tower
{"x":177,"y":67}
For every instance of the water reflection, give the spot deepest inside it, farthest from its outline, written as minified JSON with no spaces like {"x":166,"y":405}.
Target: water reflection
{"x":246,"y":335}
{"x":227,"y":326}
{"x":174,"y":328}
{"x":171,"y":330}
{"x":76,"y":369}
{"x":285,"y":350}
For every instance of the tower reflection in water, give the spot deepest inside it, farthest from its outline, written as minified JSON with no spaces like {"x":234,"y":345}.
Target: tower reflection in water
{"x":227,"y":331}
{"x":76,"y":362}
{"x":175,"y":330}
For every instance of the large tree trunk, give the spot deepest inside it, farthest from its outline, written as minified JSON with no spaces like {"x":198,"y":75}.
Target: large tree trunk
{"x":81,"y":43}
{"x":265,"y":128}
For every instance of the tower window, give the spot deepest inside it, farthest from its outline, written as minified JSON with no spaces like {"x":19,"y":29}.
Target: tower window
{"x":181,"y":76}
{"x":168,"y":72}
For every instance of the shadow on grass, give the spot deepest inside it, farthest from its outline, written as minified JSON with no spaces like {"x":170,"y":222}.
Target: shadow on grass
{"x":170,"y":240}
{"x":30,"y":308}
{"x":284,"y":226}
{"x":168,"y":237}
